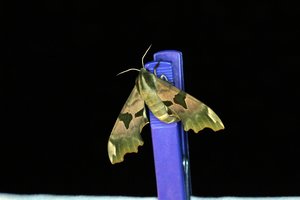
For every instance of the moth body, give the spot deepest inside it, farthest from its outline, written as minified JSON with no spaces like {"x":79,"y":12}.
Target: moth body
{"x":146,"y":86}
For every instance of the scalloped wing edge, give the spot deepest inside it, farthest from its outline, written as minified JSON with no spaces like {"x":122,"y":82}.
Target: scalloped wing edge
{"x":201,"y":121}
{"x":123,"y":145}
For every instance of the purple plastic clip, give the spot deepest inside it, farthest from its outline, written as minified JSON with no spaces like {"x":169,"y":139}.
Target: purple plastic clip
{"x":170,"y":142}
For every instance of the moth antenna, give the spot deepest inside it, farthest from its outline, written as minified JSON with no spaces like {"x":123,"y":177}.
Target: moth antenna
{"x":127,"y":70}
{"x":145,"y":55}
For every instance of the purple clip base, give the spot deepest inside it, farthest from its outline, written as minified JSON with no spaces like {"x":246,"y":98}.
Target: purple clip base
{"x":170,"y":147}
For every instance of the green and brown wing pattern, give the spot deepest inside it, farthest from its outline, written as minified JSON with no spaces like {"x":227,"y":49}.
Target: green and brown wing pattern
{"x":125,"y":136}
{"x":193,"y":113}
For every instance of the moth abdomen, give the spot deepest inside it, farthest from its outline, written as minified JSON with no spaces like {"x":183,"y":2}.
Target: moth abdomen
{"x":161,"y":111}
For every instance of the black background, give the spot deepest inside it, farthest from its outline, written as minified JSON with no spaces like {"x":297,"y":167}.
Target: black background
{"x":61,"y":95}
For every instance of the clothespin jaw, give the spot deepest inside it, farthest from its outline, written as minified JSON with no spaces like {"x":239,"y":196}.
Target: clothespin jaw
{"x":170,"y":142}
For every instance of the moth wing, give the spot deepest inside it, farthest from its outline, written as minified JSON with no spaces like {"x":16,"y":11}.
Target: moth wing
{"x":125,"y":136}
{"x":193,"y":113}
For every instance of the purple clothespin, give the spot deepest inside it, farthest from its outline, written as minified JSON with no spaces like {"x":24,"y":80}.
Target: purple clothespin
{"x":170,"y":142}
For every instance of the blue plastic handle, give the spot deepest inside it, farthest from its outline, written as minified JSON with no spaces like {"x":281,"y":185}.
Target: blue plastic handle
{"x":170,"y":142}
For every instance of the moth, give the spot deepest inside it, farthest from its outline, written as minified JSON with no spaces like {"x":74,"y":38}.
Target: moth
{"x":168,"y":103}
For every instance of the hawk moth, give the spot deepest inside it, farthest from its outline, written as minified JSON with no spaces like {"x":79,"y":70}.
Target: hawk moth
{"x":167,"y":103}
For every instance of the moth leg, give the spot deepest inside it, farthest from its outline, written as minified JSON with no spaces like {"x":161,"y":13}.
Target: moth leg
{"x":155,"y":68}
{"x":164,"y":77}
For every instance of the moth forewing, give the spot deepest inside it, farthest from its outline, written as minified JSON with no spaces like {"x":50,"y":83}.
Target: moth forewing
{"x":125,"y":136}
{"x":193,"y":113}
{"x":198,"y":116}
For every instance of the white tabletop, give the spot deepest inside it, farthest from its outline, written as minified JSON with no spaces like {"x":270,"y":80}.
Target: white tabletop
{"x":5,"y":196}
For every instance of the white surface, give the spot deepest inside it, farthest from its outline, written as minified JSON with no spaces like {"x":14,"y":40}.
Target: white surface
{"x":4,"y":196}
